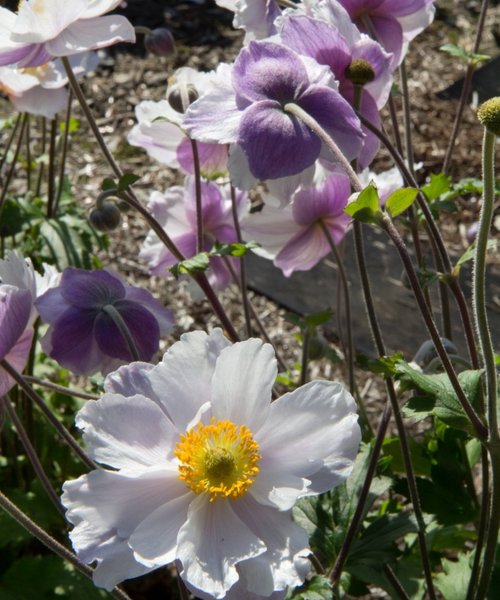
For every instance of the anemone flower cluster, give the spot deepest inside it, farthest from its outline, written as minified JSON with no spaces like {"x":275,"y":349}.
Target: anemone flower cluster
{"x":46,"y":29}
{"x":97,"y":322}
{"x":204,"y":470}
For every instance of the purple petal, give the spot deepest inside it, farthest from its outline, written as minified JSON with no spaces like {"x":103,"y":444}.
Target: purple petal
{"x":90,"y":289}
{"x":401,"y":8}
{"x":336,"y":116}
{"x":71,"y":341}
{"x":326,"y":200}
{"x":15,"y":310}
{"x":211,"y":202}
{"x":268,"y":71}
{"x":388,"y":33}
{"x":17,"y":358}
{"x":276,"y":144}
{"x":213,"y":157}
{"x":319,"y":40}
{"x":31,"y":55}
{"x":143,"y":328}
{"x":303,"y":251}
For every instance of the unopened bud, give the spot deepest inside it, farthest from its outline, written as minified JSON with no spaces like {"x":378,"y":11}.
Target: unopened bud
{"x":160,"y":41}
{"x":489,"y":115}
{"x":360,"y":72}
{"x":105,"y":217}
{"x":181,"y":95}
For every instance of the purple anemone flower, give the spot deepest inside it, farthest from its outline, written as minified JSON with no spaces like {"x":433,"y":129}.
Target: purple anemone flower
{"x":393,"y":23}
{"x":293,"y":236}
{"x":337,"y":44}
{"x":88,"y":313}
{"x":247,"y":108}
{"x":175,"y":210}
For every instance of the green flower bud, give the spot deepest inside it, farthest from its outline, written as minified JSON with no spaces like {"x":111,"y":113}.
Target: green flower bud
{"x":360,"y":72}
{"x":489,"y":115}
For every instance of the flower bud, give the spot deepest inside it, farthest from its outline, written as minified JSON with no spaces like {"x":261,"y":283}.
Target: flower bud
{"x":360,"y":72}
{"x":105,"y":217}
{"x":181,"y":95}
{"x":489,"y":115}
{"x":427,"y":352}
{"x":160,"y":41}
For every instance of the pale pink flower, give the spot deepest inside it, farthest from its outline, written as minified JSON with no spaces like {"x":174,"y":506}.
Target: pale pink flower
{"x":204,"y":469}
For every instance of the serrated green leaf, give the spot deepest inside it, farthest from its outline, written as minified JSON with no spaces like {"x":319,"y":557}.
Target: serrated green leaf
{"x":108,"y":184}
{"x":420,"y":458}
{"x":442,"y":401}
{"x":400,"y":200}
{"x":385,"y":365}
{"x":190,"y":266}
{"x":453,"y":582}
{"x":467,"y":56}
{"x":317,"y":588}
{"x":366,"y":207}
{"x":126,"y":180}
{"x":438,"y":185}
{"x":233,"y":249}
{"x":469,"y":253}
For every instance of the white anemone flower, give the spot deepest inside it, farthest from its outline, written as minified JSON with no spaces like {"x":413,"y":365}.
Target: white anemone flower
{"x":206,"y":469}
{"x":44,"y":29}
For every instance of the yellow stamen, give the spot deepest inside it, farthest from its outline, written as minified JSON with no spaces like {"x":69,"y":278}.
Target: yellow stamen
{"x":221,"y":459}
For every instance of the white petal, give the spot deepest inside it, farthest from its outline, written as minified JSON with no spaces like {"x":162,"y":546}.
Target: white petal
{"x":272,"y":228}
{"x":278,"y":489}
{"x":154,"y":542}
{"x":182,"y":381}
{"x":211,"y":543}
{"x":127,"y":433}
{"x":276,"y":569}
{"x":91,"y":34}
{"x":42,"y":102}
{"x":243,"y":380}
{"x":99,"y":7}
{"x":130,"y":380}
{"x":312,"y":427}
{"x":42,"y":20}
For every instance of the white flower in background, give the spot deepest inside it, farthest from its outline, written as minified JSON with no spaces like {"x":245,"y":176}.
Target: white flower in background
{"x":205,"y":469}
{"x":44,"y":29}
{"x":40,"y":90}
{"x":386,"y":182}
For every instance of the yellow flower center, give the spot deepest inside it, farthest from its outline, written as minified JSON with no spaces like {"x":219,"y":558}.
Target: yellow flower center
{"x":221,"y":458}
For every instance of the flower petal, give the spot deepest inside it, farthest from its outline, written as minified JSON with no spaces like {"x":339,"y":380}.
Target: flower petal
{"x":303,"y":251}
{"x":182,"y":381}
{"x":45,"y":19}
{"x":242,"y":384}
{"x":307,"y":429}
{"x":17,"y":357}
{"x":113,"y":437}
{"x":15,"y":310}
{"x":91,"y":34}
{"x":210,"y":544}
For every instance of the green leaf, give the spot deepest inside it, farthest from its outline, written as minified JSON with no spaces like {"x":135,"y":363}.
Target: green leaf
{"x":400,"y":200}
{"x":234,"y":249}
{"x":108,"y":184}
{"x":454,"y":580}
{"x":190,"y":266}
{"x":366,"y":207}
{"x":73,"y":125}
{"x":438,"y":185}
{"x":441,"y":400}
{"x":420,"y":458}
{"x":469,"y":253}
{"x":467,"y":56}
{"x":126,"y":180}
{"x":385,"y":365}
{"x":317,"y":588}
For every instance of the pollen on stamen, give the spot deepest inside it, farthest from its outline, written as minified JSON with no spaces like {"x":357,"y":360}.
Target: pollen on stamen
{"x":220,"y":459}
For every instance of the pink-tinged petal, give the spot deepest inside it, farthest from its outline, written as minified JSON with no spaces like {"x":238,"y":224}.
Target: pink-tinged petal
{"x":31,"y":55}
{"x":160,"y":139}
{"x":113,"y":437}
{"x":242,"y":384}
{"x":130,"y":380}
{"x":219,"y":275}
{"x":213,"y":157}
{"x":210,"y":544}
{"x":317,"y":39}
{"x":154,"y":542}
{"x":325,"y":200}
{"x":91,"y":34}
{"x":272,"y":228}
{"x":310,"y":428}
{"x":381,"y":61}
{"x":212,"y":203}
{"x":276,"y":569}
{"x":42,"y":102}
{"x":182,"y":381}
{"x":336,"y":116}
{"x":42,"y":20}
{"x":390,"y":34}
{"x":303,"y":251}
{"x":415,"y":23}
{"x":275,"y":143}
{"x":17,"y":357}
{"x":401,"y":8}
{"x":15,"y":310}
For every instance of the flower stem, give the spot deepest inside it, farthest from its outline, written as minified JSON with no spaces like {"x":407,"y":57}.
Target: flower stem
{"x":32,"y":455}
{"x":124,"y":330}
{"x":51,"y":174}
{"x":59,"y":427}
{"x":10,"y":173}
{"x":10,"y":140}
{"x":60,"y":388}
{"x":197,"y":188}
{"x":64,"y":152}
{"x":40,"y":534}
